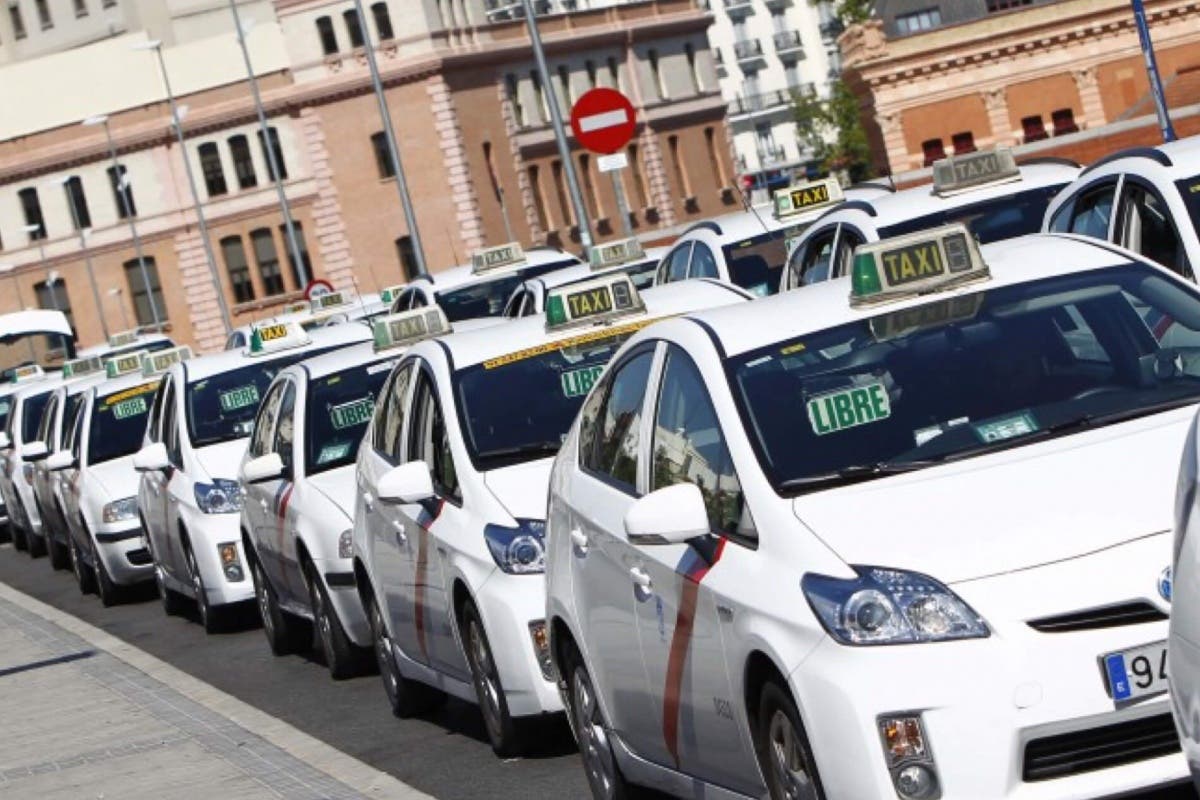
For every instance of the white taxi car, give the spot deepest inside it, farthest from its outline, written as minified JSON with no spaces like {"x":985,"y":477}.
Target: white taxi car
{"x":188,"y":496}
{"x":130,"y":341}
{"x":626,"y":255}
{"x":897,"y":535}
{"x":298,"y":482}
{"x":99,"y":484}
{"x":987,"y":190}
{"x":1146,"y":199}
{"x":34,"y":387}
{"x":452,"y":496}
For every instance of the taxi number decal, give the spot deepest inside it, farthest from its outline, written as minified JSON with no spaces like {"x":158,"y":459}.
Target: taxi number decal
{"x":1006,"y":427}
{"x":332,"y":452}
{"x":849,"y":408}
{"x":269,"y":333}
{"x":129,"y":408}
{"x":579,"y":382}
{"x":913,"y":263}
{"x":148,"y":388}
{"x":348,"y":415}
{"x":240,"y":397}
{"x":812,"y":196}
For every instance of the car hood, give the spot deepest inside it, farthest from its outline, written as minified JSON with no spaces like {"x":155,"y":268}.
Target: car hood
{"x":522,"y":488}
{"x":222,"y":460}
{"x":338,"y":486}
{"x":1012,"y":510}
{"x":115,"y":479}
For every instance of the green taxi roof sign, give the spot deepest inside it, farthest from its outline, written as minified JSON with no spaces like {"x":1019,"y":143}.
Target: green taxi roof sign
{"x":613,"y":254}
{"x":505,"y":255}
{"x":160,"y":361}
{"x":323,"y":302}
{"x":122,"y":339}
{"x":274,"y":336}
{"x":390,"y":293}
{"x":297,"y":307}
{"x":124,"y":364}
{"x":954,"y":174}
{"x":592,"y":301}
{"x":79,"y":367}
{"x":904,"y":266}
{"x":28,"y":372}
{"x":408,"y":327}
{"x":806,"y":196}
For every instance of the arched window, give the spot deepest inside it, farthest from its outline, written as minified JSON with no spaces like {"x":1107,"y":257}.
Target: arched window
{"x":383,"y":22}
{"x":329,"y":42}
{"x":138,"y":294}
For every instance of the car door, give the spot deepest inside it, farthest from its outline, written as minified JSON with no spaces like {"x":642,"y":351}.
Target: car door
{"x":152,"y":484}
{"x":176,"y":488}
{"x":602,"y":489}
{"x":1144,"y":225}
{"x":71,"y":476}
{"x":813,"y":262}
{"x":259,"y":497}
{"x":48,"y":435}
{"x":288,"y":581}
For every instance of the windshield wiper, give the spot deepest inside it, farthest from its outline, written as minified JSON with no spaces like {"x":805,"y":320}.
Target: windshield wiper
{"x":855,"y":473}
{"x":532,"y":449}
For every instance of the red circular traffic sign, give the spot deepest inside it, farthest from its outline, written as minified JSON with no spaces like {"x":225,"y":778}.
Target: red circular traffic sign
{"x":316,"y":288}
{"x":603,"y":120}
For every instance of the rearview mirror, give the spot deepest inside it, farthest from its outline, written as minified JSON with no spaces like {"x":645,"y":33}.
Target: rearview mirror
{"x":407,"y":483}
{"x":151,"y":458}
{"x":63,"y":459}
{"x":264,"y":468}
{"x":671,"y":515}
{"x":35,"y":451}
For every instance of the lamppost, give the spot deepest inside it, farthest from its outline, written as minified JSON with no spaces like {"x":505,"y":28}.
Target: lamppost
{"x":177,"y":122}
{"x":87,"y":253}
{"x":31,"y":229}
{"x":122,"y":186}
{"x":116,"y":292}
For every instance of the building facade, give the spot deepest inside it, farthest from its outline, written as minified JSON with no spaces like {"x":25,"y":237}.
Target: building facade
{"x":468,"y":107}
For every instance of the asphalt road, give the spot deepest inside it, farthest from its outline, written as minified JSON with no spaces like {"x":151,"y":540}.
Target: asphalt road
{"x":445,"y":754}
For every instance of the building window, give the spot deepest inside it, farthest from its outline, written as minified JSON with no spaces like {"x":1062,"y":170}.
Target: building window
{"x":1064,"y":121}
{"x":262,"y":242}
{"x":933,"y":151}
{"x":540,"y":92}
{"x":383,"y":159}
{"x":539,"y":198}
{"x":1004,"y":5}
{"x":32,"y":206}
{"x":302,"y":246}
{"x":81,"y":9}
{"x":512,"y":89}
{"x":383,"y":21}
{"x":656,"y":74}
{"x":18,"y":22}
{"x":681,"y":177}
{"x":138,"y":294}
{"x":329,"y":42}
{"x":239,"y":271}
{"x":107,"y":3}
{"x":963,"y":142}
{"x":590,"y":66}
{"x":693,"y":68}
{"x":564,"y":80}
{"x":77,"y":202}
{"x":118,"y":179}
{"x":1033,"y":128}
{"x":54,"y":295}
{"x":614,"y":73}
{"x":43,"y":12}
{"x":353,"y":27}
{"x":243,"y":165}
{"x":639,"y":182}
{"x":214,"y":173}
{"x":408,"y":257}
{"x":277,"y":149}
{"x":917,"y":21}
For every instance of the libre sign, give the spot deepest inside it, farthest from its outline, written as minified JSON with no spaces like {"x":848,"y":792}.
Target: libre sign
{"x":603,"y":121}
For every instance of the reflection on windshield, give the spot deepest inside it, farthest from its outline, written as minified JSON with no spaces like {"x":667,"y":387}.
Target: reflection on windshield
{"x":990,"y":220}
{"x":486,"y":298}
{"x":959,"y":376}
{"x":755,"y":264}
{"x":339,"y":407}
{"x":119,"y":422}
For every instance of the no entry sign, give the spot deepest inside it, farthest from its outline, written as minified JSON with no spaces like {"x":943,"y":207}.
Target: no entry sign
{"x":603,"y":121}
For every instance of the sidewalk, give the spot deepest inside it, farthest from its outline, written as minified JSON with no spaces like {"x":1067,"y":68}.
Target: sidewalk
{"x":78,"y":719}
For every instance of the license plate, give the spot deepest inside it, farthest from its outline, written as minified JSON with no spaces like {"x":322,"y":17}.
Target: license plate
{"x":1136,"y":672}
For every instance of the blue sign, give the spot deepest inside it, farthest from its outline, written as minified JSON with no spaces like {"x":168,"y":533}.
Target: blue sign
{"x":1118,"y":678}
{"x":1156,"y":89}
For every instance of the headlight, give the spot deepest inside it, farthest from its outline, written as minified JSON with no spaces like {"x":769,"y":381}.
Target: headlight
{"x":219,"y":497}
{"x":119,"y":510}
{"x":346,"y":544}
{"x":518,"y":550}
{"x":889,"y":606}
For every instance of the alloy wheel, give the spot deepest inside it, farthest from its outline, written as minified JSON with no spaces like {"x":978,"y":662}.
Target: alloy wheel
{"x":789,"y":761}
{"x":593,"y":738}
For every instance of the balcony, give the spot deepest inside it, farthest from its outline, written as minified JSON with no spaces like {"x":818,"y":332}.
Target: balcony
{"x":738,"y":8}
{"x":788,"y":46}
{"x":760,"y":103}
{"x":831,"y":29}
{"x":775,"y":4}
{"x":719,"y":63}
{"x":749,"y":52}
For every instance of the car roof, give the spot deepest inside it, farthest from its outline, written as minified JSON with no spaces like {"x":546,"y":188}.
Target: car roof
{"x":125,"y":382}
{"x":583,"y":272}
{"x":745,"y":224}
{"x":333,"y":336}
{"x":468,"y":348}
{"x":827,"y":304}
{"x":104,"y":349}
{"x":454,"y":277}
{"x":1179,"y":159}
{"x":344,"y":358}
{"x":50,"y":382}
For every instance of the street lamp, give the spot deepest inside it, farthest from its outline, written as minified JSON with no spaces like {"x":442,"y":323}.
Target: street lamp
{"x":32,"y":229}
{"x":122,"y":184}
{"x":116,"y":292}
{"x":177,"y":122}
{"x":87,"y":253}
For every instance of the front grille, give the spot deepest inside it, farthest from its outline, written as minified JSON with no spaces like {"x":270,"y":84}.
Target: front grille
{"x":1100,"y":748}
{"x":139,"y":557}
{"x":1134,"y":612}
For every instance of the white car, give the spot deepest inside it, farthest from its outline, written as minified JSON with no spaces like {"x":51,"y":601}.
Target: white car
{"x":987,"y":190}
{"x":895,"y":535}
{"x":131,"y":341}
{"x":1146,"y":199}
{"x":98,"y":481}
{"x":749,"y":248}
{"x":626,"y":255}
{"x":16,"y":483}
{"x":451,"y":497}
{"x":298,"y":482}
{"x":188,"y":496}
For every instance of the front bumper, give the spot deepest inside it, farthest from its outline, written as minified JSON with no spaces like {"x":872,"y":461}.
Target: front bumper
{"x":124,"y":553}
{"x":338,"y":575}
{"x":205,"y":533}
{"x":508,"y":604}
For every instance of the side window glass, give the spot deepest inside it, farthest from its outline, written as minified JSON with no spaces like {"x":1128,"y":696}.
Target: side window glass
{"x":429,"y":440}
{"x":260,"y":440}
{"x":1061,"y":223}
{"x":677,"y":263}
{"x":1146,"y":228}
{"x":615,"y":454}
{"x":689,"y":448}
{"x":817,"y":257}
{"x":156,"y":410}
{"x":589,"y":419}
{"x":77,"y":435}
{"x":704,"y":265}
{"x":389,"y":415}
{"x":418,"y":300}
{"x":847,"y":240}
{"x":1092,"y":211}
{"x":170,"y":431}
{"x":44,"y":426}
{"x":285,"y":430}
{"x":512,"y":309}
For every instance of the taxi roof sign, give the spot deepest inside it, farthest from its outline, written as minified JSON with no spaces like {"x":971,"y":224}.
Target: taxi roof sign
{"x":592,"y":301}
{"x":612,"y":254}
{"x":160,"y":361}
{"x":954,"y":174}
{"x":123,"y":339}
{"x":491,"y":258}
{"x":28,"y":372}
{"x":919,"y":263}
{"x":806,"y":196}
{"x":390,"y":293}
{"x":330,"y":300}
{"x":298,"y":307}
{"x":78,"y":367}
{"x":125,"y":364}
{"x":273,"y":336}
{"x":409,"y":327}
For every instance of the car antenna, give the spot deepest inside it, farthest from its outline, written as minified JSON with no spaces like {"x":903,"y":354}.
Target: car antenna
{"x":750,"y":207}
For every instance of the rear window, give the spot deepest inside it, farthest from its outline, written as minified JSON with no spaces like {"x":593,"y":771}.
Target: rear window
{"x":990,"y":220}
{"x":487,"y":297}
{"x":119,"y":422}
{"x":755,"y":264}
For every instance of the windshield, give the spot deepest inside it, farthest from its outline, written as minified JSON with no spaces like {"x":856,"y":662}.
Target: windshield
{"x":755,"y":263}
{"x":990,"y":220}
{"x":519,"y":407}
{"x":31,"y":415}
{"x":957,"y":377}
{"x":1189,"y":188}
{"x":119,"y":422}
{"x":338,"y":409}
{"x":486,"y":298}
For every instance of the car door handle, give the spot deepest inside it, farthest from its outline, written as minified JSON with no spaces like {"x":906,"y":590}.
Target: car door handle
{"x":580,"y":539}
{"x":641,"y":578}
{"x":401,"y":536}
{"x":262,"y":503}
{"x":368,"y":502}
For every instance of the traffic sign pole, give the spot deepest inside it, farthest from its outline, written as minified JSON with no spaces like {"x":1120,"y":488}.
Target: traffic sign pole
{"x":604,"y":121}
{"x":622,"y":205}
{"x":1156,"y":89}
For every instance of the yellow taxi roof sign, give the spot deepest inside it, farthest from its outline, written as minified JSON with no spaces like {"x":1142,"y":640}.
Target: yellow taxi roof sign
{"x":329,"y":300}
{"x":269,"y":337}
{"x":954,"y":174}
{"x":159,"y":361}
{"x":79,"y":367}
{"x":505,"y":255}
{"x":593,"y":301}
{"x":806,"y":196}
{"x":409,"y":327}
{"x":297,"y":307}
{"x":919,"y":263}
{"x":124,"y":364}
{"x":28,"y":372}
{"x":613,"y":254}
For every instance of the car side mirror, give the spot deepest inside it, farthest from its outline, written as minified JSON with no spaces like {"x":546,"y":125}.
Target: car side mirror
{"x":60,"y":460}
{"x":264,"y":468}
{"x":407,"y":483}
{"x":5,"y":442}
{"x":35,"y":451}
{"x":671,"y":515}
{"x":151,"y":458}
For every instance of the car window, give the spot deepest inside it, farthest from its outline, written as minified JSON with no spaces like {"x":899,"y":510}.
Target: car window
{"x":512,"y":309}
{"x":156,"y":410}
{"x":77,"y":436}
{"x":992,"y":220}
{"x":389,"y":415}
{"x":119,"y":422}
{"x":43,"y":433}
{"x":338,"y":408}
{"x":689,"y":447}
{"x":811,"y":263}
{"x":31,"y":415}
{"x":704,"y":264}
{"x":1091,"y":212}
{"x":848,"y":239}
{"x":172,"y":436}
{"x":74,"y":403}
{"x":677,"y":263}
{"x":264,"y":422}
{"x":417,"y":299}
{"x":485,"y":297}
{"x":755,"y":264}
{"x":1146,"y":228}
{"x":285,"y":426}
{"x":615,"y":455}
{"x":428,"y":439}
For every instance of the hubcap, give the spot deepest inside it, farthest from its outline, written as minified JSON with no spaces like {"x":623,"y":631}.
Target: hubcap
{"x":76,"y":567}
{"x":593,"y":739}
{"x":383,"y":654}
{"x":324,"y":626}
{"x":198,"y":588}
{"x":264,"y":602}
{"x":788,"y":761}
{"x":484,"y":672}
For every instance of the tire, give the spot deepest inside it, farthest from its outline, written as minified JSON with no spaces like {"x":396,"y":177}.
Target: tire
{"x":83,"y":573}
{"x":344,"y":658}
{"x":209,"y":616}
{"x":60,"y":555}
{"x":285,"y":633}
{"x":109,"y":591}
{"x":18,"y":537}
{"x":592,"y":733}
{"x":782,"y":747}
{"x":173,"y":602}
{"x":37,"y":544}
{"x":504,"y":732}
{"x":407,"y":698}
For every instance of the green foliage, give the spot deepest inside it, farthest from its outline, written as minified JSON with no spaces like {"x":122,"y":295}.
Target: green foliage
{"x":833,"y":130}
{"x":852,"y":11}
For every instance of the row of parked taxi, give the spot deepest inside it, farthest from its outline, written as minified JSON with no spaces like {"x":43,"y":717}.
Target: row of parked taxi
{"x":904,"y":529}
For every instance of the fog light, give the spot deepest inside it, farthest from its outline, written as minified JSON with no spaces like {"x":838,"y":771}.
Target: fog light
{"x":231,"y":562}
{"x":541,"y":649}
{"x":909,"y":757}
{"x":903,"y":738}
{"x":916,"y":782}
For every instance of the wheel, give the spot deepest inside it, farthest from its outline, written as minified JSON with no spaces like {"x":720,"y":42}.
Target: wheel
{"x":208,"y":615}
{"x":344,"y":658}
{"x":83,"y":573}
{"x":172,"y":601}
{"x":109,"y":592}
{"x":18,"y":537}
{"x":407,"y":698}
{"x":60,"y":555}
{"x":37,"y":544}
{"x":781,"y":745}
{"x":285,"y":633}
{"x":503,"y":731}
{"x":591,"y":733}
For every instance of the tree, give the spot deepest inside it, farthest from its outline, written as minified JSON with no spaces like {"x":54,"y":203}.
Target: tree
{"x":833,"y":130}
{"x":851,"y":11}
